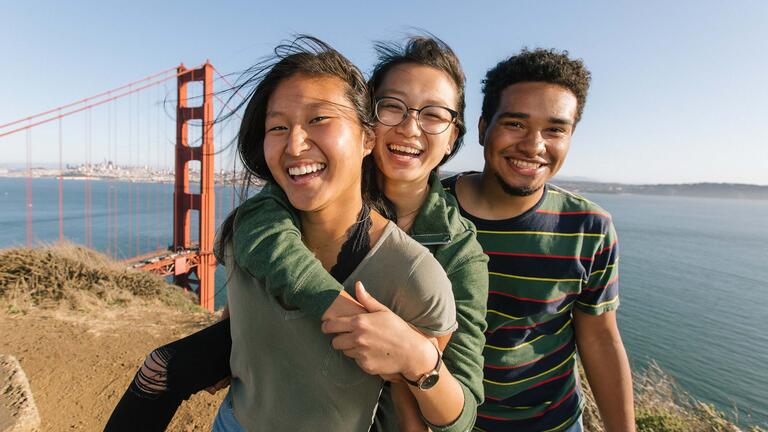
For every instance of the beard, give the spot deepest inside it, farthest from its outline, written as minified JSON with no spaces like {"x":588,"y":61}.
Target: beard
{"x":515,"y":191}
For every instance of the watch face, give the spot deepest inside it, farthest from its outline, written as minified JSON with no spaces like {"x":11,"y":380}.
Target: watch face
{"x":429,"y":381}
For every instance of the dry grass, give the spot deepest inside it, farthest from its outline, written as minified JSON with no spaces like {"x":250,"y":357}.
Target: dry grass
{"x":78,"y":278}
{"x":662,"y":406}
{"x":66,"y":275}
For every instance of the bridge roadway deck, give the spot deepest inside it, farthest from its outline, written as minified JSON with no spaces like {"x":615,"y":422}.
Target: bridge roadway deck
{"x":166,"y":262}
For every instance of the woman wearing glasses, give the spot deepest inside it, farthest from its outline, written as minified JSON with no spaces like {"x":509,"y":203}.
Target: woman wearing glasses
{"x":419,"y":104}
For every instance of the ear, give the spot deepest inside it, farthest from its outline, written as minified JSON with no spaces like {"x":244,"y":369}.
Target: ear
{"x":369,"y":140}
{"x":482,"y":127}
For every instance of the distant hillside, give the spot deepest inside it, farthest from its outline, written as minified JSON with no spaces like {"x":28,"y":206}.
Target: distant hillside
{"x":705,"y":190}
{"x":709,"y":190}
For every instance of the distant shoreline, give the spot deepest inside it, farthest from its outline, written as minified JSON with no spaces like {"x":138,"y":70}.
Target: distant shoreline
{"x":694,"y":190}
{"x":163,"y":180}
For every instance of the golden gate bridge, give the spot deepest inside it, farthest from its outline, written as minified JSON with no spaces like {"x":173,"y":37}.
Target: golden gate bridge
{"x":188,"y":255}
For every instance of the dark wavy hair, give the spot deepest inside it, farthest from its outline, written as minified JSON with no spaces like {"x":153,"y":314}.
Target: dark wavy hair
{"x":303,"y":55}
{"x":425,"y":50}
{"x":539,"y":65}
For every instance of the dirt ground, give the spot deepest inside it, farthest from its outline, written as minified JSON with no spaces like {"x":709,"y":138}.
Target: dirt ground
{"x":78,"y":364}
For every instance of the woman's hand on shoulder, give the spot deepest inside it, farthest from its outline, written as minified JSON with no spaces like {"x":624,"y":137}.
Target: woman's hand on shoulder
{"x":379,"y":341}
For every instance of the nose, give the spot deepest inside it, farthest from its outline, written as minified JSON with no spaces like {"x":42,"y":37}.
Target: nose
{"x":410,"y":125}
{"x":533,"y":144}
{"x":298,"y":142}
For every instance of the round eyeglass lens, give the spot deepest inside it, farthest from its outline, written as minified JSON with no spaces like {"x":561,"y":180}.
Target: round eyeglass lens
{"x":435,"y":119}
{"x":390,"y":112}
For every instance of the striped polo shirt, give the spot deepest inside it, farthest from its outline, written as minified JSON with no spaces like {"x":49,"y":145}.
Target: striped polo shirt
{"x":560,"y":254}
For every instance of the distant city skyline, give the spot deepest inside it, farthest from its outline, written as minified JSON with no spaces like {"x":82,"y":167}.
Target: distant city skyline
{"x":678,"y":92}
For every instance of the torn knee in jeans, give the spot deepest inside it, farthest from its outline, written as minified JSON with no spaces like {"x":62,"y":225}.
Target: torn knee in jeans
{"x":152,"y":378}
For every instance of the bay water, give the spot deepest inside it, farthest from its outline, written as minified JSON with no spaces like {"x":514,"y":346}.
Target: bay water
{"x":694,"y":272}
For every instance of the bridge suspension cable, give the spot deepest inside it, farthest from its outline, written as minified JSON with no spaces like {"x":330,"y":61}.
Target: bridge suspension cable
{"x":34,"y":116}
{"x":83,"y":108}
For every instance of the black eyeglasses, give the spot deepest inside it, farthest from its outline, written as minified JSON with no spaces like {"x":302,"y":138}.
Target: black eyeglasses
{"x":432,"y":119}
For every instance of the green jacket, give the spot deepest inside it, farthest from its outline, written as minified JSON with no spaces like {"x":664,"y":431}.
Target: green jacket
{"x":267,"y":244}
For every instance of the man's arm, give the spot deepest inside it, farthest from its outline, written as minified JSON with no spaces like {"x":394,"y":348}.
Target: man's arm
{"x":597,"y":336}
{"x":605,"y":362}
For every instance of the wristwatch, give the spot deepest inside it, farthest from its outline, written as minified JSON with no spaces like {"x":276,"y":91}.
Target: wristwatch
{"x":429,"y":379}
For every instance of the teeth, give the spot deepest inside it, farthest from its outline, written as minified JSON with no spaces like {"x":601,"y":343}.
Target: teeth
{"x":306,"y":169}
{"x":523,"y":164}
{"x":404,"y":149}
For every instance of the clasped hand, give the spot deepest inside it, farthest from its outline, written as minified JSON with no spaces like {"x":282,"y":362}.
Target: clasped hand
{"x":379,"y":341}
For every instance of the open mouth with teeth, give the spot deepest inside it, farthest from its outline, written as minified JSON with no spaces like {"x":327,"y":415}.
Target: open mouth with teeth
{"x":524,"y":167}
{"x":306,"y":172}
{"x":404,"y":151}
{"x":523,"y":164}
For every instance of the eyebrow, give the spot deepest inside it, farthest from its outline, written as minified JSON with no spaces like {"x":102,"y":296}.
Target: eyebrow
{"x":521,"y":115}
{"x":401,"y":94}
{"x":311,"y":105}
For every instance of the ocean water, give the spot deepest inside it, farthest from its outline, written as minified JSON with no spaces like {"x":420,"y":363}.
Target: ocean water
{"x":694,"y":273}
{"x":694,"y":294}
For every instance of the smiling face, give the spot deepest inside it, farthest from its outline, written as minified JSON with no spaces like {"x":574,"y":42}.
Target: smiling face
{"x":314,"y":144}
{"x":404,"y":152}
{"x":528,"y":138}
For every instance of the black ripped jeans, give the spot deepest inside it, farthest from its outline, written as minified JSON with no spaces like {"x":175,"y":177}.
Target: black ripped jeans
{"x":201,"y":359}
{"x":193,"y":363}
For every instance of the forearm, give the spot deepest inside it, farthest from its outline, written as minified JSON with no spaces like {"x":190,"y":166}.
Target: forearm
{"x":407,"y":409}
{"x":609,"y":376}
{"x":442,"y":404}
{"x":607,"y":368}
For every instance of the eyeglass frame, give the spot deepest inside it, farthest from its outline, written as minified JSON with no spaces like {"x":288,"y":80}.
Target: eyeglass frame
{"x":376,"y":100}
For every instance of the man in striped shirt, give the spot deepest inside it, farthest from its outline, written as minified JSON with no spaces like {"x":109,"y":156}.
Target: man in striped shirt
{"x":553,"y":266}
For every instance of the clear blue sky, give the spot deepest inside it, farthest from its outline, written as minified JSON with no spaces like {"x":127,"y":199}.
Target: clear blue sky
{"x":679,"y":93}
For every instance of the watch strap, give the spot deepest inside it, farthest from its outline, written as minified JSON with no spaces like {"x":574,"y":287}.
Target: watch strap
{"x":434,"y":371}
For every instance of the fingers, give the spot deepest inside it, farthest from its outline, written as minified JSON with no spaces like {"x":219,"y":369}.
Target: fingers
{"x":363,"y":322}
{"x":339,"y":325}
{"x":345,"y":341}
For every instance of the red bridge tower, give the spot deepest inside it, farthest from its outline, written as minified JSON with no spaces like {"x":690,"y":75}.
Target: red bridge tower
{"x":203,"y":264}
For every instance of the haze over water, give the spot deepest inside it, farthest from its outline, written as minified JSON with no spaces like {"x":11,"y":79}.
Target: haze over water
{"x":694,"y":276}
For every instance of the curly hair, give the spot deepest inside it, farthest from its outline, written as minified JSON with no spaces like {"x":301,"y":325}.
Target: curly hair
{"x":425,"y":50}
{"x":542,"y":65}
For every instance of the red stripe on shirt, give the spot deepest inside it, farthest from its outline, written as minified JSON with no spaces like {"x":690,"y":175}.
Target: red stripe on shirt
{"x":530,"y":299}
{"x":550,"y":408}
{"x":612,"y":281}
{"x":538,"y":255}
{"x":560,"y":402}
{"x":606,"y":249}
{"x":554,"y":378}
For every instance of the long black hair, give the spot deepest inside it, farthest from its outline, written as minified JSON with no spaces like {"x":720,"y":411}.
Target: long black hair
{"x":303,"y":55}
